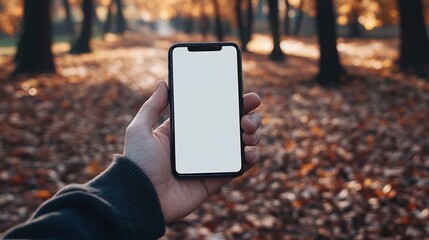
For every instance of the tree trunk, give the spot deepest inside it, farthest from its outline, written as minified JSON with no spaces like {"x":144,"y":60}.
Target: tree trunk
{"x":354,"y":25}
{"x":287,"y":18}
{"x":414,"y":47}
{"x":218,"y":21}
{"x":204,"y":21}
{"x":68,"y":19}
{"x":189,"y":25}
{"x":107,"y":26}
{"x":329,"y":63}
{"x":97,"y":21}
{"x":245,"y":28}
{"x":82,"y":43}
{"x":240,"y":25}
{"x":273,"y":13}
{"x":260,"y":10}
{"x":249,"y":22}
{"x":121,"y":23}
{"x":34,"y":53}
{"x":298,"y":19}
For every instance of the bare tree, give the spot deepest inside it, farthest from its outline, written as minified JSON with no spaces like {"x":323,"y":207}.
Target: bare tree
{"x":277,"y":53}
{"x":204,"y":22}
{"x":329,"y":62}
{"x":218,"y":21}
{"x":68,"y":18}
{"x":121,"y":23}
{"x":107,"y":26}
{"x":82,"y":43}
{"x":414,"y":48}
{"x":34,"y":53}
{"x":287,"y":17}
{"x":260,"y":10}
{"x":245,"y":25}
{"x":298,"y":19}
{"x":354,"y":25}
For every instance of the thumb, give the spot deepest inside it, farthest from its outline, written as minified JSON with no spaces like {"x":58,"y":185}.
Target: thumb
{"x":149,"y":113}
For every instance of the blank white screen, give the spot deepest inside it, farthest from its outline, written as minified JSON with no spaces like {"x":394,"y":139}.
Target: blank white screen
{"x":206,"y":111}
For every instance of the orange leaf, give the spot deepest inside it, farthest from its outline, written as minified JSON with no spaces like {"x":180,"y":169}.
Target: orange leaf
{"x":317,"y":131}
{"x":290,"y":145}
{"x":44,"y":194}
{"x":110,"y":138}
{"x":306,"y":168}
{"x":94,"y":168}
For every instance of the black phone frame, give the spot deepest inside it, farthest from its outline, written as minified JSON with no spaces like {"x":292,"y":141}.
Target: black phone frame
{"x":203,"y":46}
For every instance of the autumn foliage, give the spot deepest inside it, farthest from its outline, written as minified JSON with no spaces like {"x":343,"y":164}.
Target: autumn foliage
{"x":347,"y":163}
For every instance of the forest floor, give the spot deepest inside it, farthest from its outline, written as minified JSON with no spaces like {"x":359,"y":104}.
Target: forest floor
{"x":341,"y":163}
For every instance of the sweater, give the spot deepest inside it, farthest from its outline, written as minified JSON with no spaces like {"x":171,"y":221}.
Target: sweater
{"x":120,"y":203}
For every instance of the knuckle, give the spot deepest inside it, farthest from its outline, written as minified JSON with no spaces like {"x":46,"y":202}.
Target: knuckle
{"x":257,"y":138}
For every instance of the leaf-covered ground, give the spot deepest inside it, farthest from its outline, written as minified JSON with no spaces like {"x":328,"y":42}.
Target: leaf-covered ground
{"x":336,"y":163}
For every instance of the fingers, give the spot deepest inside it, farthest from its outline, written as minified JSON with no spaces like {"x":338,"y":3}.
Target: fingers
{"x":251,"y":122}
{"x":251,"y":101}
{"x":151,"y":110}
{"x":251,"y":156}
{"x":251,"y":139}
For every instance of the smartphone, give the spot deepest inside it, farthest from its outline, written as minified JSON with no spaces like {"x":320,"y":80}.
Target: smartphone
{"x":206,"y":106}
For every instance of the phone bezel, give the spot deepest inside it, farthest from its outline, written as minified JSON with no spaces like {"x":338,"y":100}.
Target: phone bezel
{"x":210,"y":46}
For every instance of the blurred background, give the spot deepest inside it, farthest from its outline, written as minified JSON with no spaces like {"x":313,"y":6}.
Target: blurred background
{"x":344,"y":83}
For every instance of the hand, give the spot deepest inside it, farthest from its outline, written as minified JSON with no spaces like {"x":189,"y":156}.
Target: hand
{"x":149,"y":148}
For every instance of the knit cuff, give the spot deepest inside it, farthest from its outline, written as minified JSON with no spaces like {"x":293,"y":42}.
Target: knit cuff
{"x":131,"y":193}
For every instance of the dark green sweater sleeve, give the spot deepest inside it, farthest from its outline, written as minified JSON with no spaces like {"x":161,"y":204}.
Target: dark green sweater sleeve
{"x":120,"y":203}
